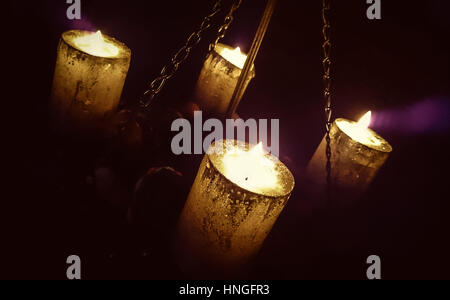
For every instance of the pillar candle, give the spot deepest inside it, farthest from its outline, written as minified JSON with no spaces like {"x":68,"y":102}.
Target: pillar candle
{"x":218,"y":79}
{"x":358,"y":153}
{"x":90,"y":73}
{"x":235,"y":200}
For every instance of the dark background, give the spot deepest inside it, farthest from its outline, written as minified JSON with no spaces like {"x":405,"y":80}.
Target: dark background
{"x":398,"y":67}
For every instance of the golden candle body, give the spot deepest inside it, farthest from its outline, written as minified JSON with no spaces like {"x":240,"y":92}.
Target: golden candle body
{"x":354,"y":164}
{"x":223,"y":225}
{"x":217,"y":82}
{"x":86,"y":87}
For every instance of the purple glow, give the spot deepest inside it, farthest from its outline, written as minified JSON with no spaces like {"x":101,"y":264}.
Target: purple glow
{"x":424,"y":117}
{"x":84,"y":25}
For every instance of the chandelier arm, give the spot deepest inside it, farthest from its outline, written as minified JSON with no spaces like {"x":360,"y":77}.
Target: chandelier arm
{"x":256,"y":45}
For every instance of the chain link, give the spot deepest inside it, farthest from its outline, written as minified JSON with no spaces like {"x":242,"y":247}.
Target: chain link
{"x":327,"y":87}
{"x":170,"y":70}
{"x":227,"y":23}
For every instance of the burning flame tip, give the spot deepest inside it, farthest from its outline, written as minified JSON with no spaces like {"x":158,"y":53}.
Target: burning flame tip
{"x":258,"y":149}
{"x":365,"y":120}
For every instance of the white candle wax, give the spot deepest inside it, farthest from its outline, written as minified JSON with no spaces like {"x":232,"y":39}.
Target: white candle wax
{"x":218,"y":79}
{"x":89,"y":77}
{"x":235,"y":201}
{"x":357,"y":154}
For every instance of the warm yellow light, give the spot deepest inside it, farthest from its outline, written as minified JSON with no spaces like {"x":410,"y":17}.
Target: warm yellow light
{"x":96,"y":45}
{"x":236,"y":57}
{"x":360,"y":131}
{"x":253,"y":170}
{"x":364,"y":122}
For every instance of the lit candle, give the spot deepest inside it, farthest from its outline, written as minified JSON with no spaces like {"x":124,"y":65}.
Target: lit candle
{"x":90,"y":73}
{"x":95,"y":44}
{"x":358,"y":153}
{"x":236,"y":57}
{"x":236,"y":198}
{"x":218,"y":79}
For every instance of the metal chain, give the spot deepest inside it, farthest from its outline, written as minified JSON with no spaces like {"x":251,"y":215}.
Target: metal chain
{"x":169,"y":70}
{"x":227,"y":23}
{"x":327,"y":90}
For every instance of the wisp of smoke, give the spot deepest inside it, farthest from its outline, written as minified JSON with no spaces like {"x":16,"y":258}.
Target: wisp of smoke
{"x":428,"y":116}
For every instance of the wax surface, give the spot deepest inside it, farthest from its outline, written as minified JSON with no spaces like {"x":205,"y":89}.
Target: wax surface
{"x":362,"y":135}
{"x":236,"y":57}
{"x":96,"y":45}
{"x":251,"y":169}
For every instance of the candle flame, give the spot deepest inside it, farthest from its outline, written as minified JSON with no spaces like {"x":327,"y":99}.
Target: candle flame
{"x":96,"y":45}
{"x":99,"y":36}
{"x":360,"y":131}
{"x":252,"y":170}
{"x":236,"y":57}
{"x":258,"y":150}
{"x":364,"y":122}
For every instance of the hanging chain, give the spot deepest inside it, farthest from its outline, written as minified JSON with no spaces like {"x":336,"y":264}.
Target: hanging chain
{"x":170,"y":70}
{"x":227,"y":23}
{"x":327,"y":83}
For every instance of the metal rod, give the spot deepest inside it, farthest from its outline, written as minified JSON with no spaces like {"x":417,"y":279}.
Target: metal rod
{"x":259,"y":37}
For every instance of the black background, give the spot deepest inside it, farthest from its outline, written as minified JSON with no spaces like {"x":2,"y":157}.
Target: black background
{"x":385,"y":65}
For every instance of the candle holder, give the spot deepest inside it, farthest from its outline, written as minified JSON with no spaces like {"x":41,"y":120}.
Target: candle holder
{"x":358,"y":153}
{"x":89,"y":77}
{"x":235,"y":201}
{"x":218,"y":79}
